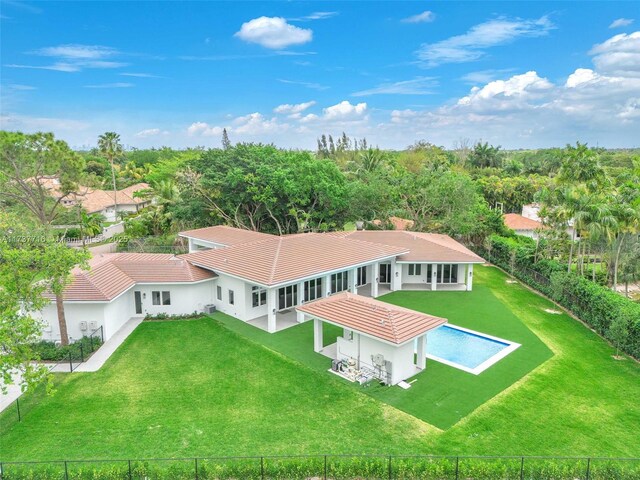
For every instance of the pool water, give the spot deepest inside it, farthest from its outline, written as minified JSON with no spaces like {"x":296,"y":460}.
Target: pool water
{"x":467,"y":350}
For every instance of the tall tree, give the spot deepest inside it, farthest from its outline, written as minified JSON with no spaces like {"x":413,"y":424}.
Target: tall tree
{"x":110,"y":146}
{"x":38,"y":172}
{"x":58,"y":262}
{"x":226,"y":143}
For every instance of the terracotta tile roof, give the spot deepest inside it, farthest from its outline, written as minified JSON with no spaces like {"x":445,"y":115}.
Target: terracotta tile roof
{"x":277,"y":260}
{"x":372,"y":317}
{"x":96,"y":200}
{"x":422,"y":247}
{"x":225,"y":235}
{"x":515,"y":221}
{"x":111,"y":274}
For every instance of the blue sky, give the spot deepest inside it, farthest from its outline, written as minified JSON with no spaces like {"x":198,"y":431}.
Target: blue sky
{"x":519,"y":74}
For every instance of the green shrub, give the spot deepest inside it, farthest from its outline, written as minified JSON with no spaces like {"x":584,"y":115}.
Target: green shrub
{"x":49,"y":352}
{"x":594,"y":304}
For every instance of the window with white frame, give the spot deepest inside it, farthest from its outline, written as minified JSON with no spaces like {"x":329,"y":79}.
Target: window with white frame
{"x":287,"y":297}
{"x":155,"y":298}
{"x":339,"y":282}
{"x":232,"y":299}
{"x":448,"y":273}
{"x":415,"y":269}
{"x":259,"y":296}
{"x":312,"y":289}
{"x":219,"y":292}
{"x":361,"y":276}
{"x":166,"y":298}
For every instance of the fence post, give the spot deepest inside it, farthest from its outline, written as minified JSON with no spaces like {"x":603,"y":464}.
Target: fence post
{"x":196,"y":466}
{"x":325,"y":467}
{"x":70,"y":363}
{"x":390,"y":472}
{"x":588,"y":468}
{"x":130,"y":472}
{"x":522,"y":468}
{"x":457,"y":467}
{"x":18,"y":407}
{"x":102,"y":333}
{"x":66,"y":471}
{"x":262,"y":468}
{"x":81,"y":354}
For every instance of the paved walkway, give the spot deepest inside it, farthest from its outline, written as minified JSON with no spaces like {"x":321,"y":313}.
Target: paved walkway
{"x":101,"y":355}
{"x":13,"y":392}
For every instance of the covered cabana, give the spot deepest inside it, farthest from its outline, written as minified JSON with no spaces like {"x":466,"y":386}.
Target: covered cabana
{"x":385,"y":339}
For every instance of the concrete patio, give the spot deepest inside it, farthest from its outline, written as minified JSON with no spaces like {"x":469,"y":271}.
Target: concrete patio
{"x":284,"y":320}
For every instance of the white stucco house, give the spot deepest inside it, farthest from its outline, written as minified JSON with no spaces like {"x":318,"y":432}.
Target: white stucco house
{"x":274,"y":282}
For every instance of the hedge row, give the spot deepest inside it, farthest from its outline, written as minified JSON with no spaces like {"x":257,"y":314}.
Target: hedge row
{"x":50,"y":352}
{"x":613,"y":316}
{"x":400,"y":468}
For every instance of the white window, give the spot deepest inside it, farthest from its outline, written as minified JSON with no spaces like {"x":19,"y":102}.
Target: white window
{"x":447,"y":273}
{"x":339,"y":282}
{"x":231,"y":297}
{"x":362,"y":276}
{"x":259,"y":296}
{"x":415,"y":269}
{"x":219,"y":292}
{"x":287,"y":297}
{"x":155,"y":298}
{"x":166,"y":298}
{"x":312,"y":289}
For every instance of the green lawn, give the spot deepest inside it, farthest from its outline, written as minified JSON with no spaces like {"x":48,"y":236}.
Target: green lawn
{"x":209,"y":387}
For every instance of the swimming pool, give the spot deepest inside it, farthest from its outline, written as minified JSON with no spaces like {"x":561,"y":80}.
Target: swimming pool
{"x":466,"y":349}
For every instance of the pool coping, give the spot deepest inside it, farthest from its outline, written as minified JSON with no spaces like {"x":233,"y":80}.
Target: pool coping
{"x":511,"y":346}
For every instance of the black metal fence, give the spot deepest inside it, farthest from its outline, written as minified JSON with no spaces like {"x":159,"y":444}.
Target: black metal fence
{"x":69,"y":363}
{"x":331,"y":467}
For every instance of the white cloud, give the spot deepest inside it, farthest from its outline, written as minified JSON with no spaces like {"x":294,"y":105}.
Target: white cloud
{"x":416,"y":86}
{"x":75,"y":57}
{"x":16,"y":86}
{"x":619,"y":55}
{"x":151,"y":132}
{"x":77,"y":52}
{"x":139,"y":75}
{"x":472,"y":45}
{"x":424,"y":17}
{"x":485,"y":76}
{"x":621,"y":22}
{"x":273,"y":32}
{"x":34,"y":124}
{"x":257,"y":124}
{"x":203,"y":129}
{"x":344,"y":110}
{"x":293,"y":108}
{"x":315,"y":16}
{"x":312,"y":85}
{"x":111,"y":85}
{"x":519,"y":90}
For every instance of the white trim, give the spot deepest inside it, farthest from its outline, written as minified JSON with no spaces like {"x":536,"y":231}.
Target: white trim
{"x":135,"y":285}
{"x":511,"y":346}
{"x":439,"y":262}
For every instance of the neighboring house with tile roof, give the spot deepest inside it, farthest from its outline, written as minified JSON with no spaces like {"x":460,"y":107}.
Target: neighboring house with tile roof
{"x":260,"y":278}
{"x":95,"y":200}
{"x":522,"y":225}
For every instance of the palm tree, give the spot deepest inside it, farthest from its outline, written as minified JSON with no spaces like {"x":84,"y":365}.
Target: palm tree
{"x":110,"y":146}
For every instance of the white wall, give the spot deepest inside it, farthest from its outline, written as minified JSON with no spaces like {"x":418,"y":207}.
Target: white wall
{"x":415,"y":279}
{"x":74,"y":314}
{"x":185,"y":298}
{"x":239,"y":309}
{"x":117,"y":312}
{"x":362,"y":347}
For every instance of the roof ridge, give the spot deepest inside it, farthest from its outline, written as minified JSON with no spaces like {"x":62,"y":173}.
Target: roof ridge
{"x":443,"y":245}
{"x":275,"y":261}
